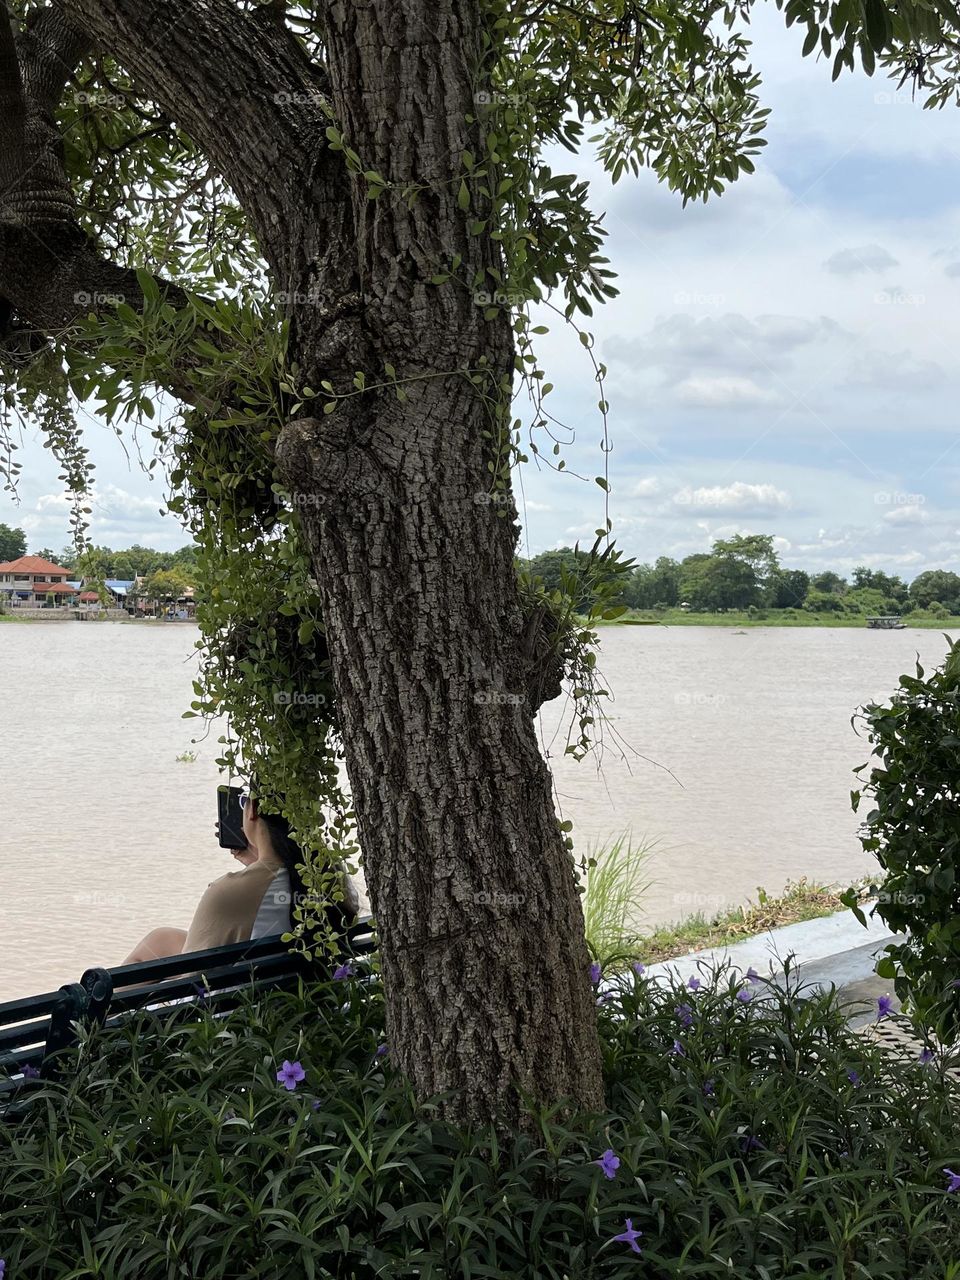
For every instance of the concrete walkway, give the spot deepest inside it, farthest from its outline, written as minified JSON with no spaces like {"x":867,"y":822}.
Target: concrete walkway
{"x":832,"y":951}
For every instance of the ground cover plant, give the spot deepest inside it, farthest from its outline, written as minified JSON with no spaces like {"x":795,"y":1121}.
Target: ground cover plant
{"x":747,"y":1132}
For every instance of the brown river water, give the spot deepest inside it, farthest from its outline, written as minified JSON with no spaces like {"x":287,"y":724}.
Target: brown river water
{"x":732,"y":751}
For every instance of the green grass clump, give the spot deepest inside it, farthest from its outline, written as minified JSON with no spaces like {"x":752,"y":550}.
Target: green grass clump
{"x":756,"y":1137}
{"x":614,"y":884}
{"x":800,"y":900}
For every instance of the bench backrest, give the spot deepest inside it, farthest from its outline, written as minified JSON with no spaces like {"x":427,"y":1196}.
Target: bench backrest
{"x":36,"y":1029}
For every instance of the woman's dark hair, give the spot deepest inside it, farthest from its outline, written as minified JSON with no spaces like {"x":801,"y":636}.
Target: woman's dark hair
{"x":289,"y":853}
{"x":340,"y":915}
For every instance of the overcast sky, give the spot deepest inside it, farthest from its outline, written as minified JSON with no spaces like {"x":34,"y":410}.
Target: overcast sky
{"x":783,"y":360}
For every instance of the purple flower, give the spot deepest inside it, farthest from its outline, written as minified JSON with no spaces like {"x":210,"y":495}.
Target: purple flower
{"x":29,"y":1072}
{"x":749,"y":1143}
{"x":315,"y":1104}
{"x":884,"y":1007}
{"x":290,"y":1075}
{"x":854,"y":1078}
{"x":595,"y":972}
{"x":684,"y":1015}
{"x":343,"y":971}
{"x":709,"y":1089}
{"x":744,"y":995}
{"x":638,"y":968}
{"x":954,"y":1180}
{"x":381,"y":1050}
{"x":609,"y":1162}
{"x":605,"y":998}
{"x":629,"y":1236}
{"x":694,"y":984}
{"x":926,"y":1055}
{"x":752,"y":975}
{"x":3,"y":1269}
{"x":678,"y":1049}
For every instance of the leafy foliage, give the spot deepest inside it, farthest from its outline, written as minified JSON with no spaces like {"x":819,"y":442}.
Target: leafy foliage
{"x":745,"y":1148}
{"x":912,"y":826}
{"x":13,"y":543}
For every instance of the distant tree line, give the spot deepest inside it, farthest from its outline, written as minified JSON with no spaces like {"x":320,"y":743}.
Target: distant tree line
{"x":131,"y":562}
{"x":744,"y":573}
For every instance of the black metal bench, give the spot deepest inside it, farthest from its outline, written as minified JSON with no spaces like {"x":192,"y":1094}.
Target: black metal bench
{"x":35,"y":1031}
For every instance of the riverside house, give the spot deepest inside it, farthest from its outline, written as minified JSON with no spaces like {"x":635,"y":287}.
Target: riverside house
{"x":32,"y":583}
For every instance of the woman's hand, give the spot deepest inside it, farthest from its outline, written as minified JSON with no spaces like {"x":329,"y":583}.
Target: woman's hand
{"x":247,"y":857}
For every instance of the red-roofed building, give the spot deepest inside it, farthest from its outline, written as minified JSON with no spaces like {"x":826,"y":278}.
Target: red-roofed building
{"x":33,"y":583}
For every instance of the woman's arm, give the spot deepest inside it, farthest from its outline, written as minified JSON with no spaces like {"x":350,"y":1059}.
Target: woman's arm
{"x":157,"y":944}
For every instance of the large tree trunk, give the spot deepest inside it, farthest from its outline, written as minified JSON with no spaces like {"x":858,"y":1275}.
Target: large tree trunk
{"x":484,"y":962}
{"x":485,"y":965}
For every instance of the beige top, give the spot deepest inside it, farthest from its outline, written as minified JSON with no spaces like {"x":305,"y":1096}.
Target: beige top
{"x":229,"y":907}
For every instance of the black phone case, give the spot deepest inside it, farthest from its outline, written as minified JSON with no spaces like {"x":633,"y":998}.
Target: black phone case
{"x":230,"y":816}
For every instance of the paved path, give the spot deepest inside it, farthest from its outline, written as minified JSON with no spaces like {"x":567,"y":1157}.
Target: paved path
{"x":832,"y":951}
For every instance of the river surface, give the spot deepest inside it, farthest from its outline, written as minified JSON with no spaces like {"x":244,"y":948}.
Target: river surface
{"x":732,"y":751}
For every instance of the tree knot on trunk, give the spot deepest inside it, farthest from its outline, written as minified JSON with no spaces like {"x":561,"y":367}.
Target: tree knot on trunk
{"x":34,"y":191}
{"x":321,"y":463}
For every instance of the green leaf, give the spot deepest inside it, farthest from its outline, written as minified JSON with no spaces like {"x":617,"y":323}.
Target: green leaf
{"x":878,"y":25}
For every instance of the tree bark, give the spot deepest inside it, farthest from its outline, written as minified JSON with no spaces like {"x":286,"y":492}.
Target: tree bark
{"x":484,"y":962}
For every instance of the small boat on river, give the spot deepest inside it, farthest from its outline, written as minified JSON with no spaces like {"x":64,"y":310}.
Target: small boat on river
{"x":891,"y":622}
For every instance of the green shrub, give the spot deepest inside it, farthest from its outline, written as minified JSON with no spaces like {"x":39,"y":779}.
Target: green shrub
{"x":912,"y":826}
{"x":745,"y":1149}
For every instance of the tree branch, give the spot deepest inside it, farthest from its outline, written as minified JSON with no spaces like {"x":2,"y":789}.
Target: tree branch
{"x":50,"y":52}
{"x":243,"y":89}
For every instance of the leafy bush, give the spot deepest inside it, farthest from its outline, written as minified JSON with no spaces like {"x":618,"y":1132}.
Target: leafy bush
{"x":912,"y":825}
{"x":755,"y":1137}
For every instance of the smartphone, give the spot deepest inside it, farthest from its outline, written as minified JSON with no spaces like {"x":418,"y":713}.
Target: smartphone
{"x":230,"y":817}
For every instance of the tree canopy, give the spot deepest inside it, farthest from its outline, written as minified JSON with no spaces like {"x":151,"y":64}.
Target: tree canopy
{"x":13,"y":543}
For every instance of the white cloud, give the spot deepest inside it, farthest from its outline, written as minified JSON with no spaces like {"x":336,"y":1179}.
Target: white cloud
{"x":869,"y":257}
{"x":911,"y":513}
{"x":648,"y":487}
{"x":117,"y":518}
{"x":723,"y":393}
{"x":739,"y":497}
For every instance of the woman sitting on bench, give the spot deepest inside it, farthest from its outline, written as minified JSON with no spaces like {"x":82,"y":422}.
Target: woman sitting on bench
{"x":255,"y":902}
